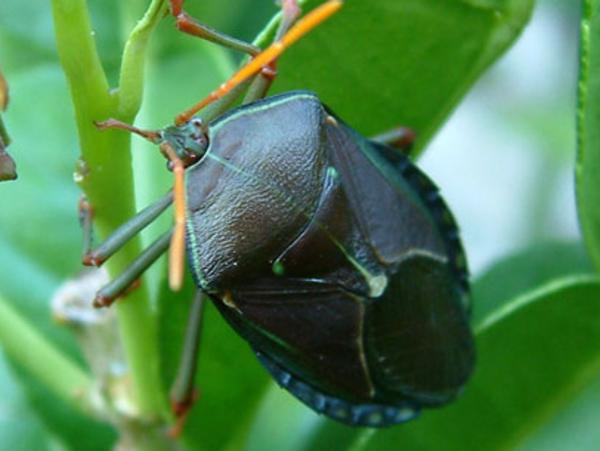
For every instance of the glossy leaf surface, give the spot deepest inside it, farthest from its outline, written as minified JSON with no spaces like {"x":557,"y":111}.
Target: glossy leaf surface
{"x":427,"y":66}
{"x":588,"y":128}
{"x":405,"y":62}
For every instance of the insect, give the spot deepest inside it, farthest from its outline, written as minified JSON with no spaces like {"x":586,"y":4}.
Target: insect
{"x":331,"y":254}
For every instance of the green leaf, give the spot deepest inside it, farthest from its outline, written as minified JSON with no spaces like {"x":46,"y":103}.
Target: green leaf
{"x":382,"y":63}
{"x":437,"y":51}
{"x":62,"y":420}
{"x":239,"y":18}
{"x":20,"y":429}
{"x":44,"y":191}
{"x":574,"y":428}
{"x":524,"y":271}
{"x":588,"y":130}
{"x":56,"y":387}
{"x":535,"y":354}
{"x":39,"y":237}
{"x":27,"y":35}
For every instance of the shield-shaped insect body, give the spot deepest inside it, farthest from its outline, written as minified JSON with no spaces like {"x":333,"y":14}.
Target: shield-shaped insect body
{"x":334,"y":257}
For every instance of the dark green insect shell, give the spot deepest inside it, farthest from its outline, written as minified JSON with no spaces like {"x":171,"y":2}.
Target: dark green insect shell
{"x":334,"y":257}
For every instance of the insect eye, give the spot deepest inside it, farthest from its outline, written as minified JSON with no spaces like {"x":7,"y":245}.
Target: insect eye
{"x":200,"y":144}
{"x":202,"y":140}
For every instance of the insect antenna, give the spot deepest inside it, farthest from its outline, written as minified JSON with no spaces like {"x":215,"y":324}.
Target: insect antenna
{"x":150,"y":135}
{"x":177,"y":247}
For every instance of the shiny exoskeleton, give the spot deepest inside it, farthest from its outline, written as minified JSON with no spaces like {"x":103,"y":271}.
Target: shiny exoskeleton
{"x":334,"y":257}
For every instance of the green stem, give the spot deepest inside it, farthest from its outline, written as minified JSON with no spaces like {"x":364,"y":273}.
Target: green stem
{"x":107,"y":178}
{"x":131,"y":80}
{"x":588,"y":135}
{"x":42,"y":360}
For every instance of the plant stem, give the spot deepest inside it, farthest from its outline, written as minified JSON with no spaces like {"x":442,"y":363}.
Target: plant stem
{"x":46,"y":363}
{"x":140,"y":338}
{"x":131,"y":79}
{"x":106,"y":177}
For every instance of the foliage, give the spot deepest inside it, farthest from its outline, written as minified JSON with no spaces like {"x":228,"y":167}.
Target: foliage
{"x":377,"y":64}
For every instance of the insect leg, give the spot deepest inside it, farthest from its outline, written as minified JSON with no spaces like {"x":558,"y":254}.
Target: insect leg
{"x":120,"y":236}
{"x":271,"y":53}
{"x":119,"y":286}
{"x":183,"y":393}
{"x":150,"y":135}
{"x":191,"y":26}
{"x":401,"y":138}
{"x":256,"y":86}
{"x":86,"y":217}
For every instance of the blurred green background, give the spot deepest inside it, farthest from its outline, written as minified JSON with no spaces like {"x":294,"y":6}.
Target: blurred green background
{"x":516,"y":130}
{"x":504,"y":161}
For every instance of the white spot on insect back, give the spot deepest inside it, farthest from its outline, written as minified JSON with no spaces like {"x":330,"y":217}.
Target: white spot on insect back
{"x":227,"y":299}
{"x":331,"y":120}
{"x":377,"y":285}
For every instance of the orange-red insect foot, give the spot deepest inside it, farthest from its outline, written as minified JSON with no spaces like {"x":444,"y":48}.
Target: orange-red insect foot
{"x":181,"y":410}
